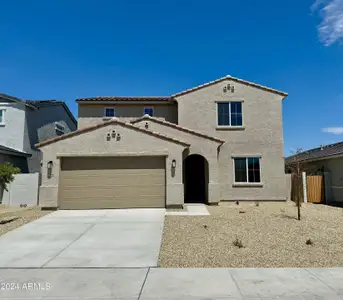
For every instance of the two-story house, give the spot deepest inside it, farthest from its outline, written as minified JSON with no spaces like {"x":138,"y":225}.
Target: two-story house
{"x":24,"y":123}
{"x":222,"y":140}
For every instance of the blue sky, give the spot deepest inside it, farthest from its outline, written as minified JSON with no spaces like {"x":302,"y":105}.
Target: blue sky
{"x":65,"y":49}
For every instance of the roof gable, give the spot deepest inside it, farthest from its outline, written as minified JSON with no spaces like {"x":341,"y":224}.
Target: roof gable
{"x":233,"y":79}
{"x":113,"y":121}
{"x":178,"y":127}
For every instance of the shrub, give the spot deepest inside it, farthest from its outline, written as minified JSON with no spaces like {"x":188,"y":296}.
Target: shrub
{"x":238,"y":243}
{"x":7,"y":172}
{"x":309,"y":242}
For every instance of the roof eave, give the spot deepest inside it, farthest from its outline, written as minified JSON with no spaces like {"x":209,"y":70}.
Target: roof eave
{"x":166,"y":123}
{"x":113,"y":121}
{"x":268,"y":89}
{"x":17,"y":100}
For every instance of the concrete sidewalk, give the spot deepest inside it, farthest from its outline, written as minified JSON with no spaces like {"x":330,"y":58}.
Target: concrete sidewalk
{"x":155,"y":283}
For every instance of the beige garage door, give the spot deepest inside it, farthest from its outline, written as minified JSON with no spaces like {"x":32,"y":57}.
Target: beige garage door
{"x":112,"y":182}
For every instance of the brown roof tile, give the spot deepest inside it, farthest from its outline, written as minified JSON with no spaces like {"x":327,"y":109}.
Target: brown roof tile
{"x":113,"y":121}
{"x":185,"y":129}
{"x":129,"y":98}
{"x":322,"y":152}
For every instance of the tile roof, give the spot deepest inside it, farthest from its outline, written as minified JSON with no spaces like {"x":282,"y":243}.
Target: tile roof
{"x":11,"y":151}
{"x":45,"y":103}
{"x":185,"y":129}
{"x":112,"y":121}
{"x":234,"y":79}
{"x":128,"y":98}
{"x":317,"y":153}
{"x":171,"y":98}
{"x":15,"y":99}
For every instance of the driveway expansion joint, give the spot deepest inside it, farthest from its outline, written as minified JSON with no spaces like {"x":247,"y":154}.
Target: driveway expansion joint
{"x":81,"y":235}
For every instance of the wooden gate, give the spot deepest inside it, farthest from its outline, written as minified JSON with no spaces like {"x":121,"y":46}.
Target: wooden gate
{"x":315,"y":189}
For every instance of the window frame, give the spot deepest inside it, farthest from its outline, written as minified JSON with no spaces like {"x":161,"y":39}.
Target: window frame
{"x":247,"y":182}
{"x":60,"y":129}
{"x":148,"y":107}
{"x":229,"y":102}
{"x":114,"y":109}
{"x":3,"y":111}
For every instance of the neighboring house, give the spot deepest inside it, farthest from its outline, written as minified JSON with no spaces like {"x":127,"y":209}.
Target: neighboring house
{"x":222,"y":140}
{"x":24,"y":123}
{"x":324,"y":160}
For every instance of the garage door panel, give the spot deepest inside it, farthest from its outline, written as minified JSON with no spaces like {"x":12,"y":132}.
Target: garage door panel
{"x":112,"y":178}
{"x":121,"y":191}
{"x":88,"y":182}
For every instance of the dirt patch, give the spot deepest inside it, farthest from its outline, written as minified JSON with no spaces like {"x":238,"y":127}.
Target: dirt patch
{"x":22,"y":215}
{"x":269,"y":235}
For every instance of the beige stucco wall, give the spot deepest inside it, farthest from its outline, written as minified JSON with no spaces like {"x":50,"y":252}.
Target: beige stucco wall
{"x":94,"y":142}
{"x":334,"y":167}
{"x":261,"y":135}
{"x":91,"y":114}
{"x":205,"y":147}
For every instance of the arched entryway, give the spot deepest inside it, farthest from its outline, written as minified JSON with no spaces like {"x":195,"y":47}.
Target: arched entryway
{"x":195,"y":175}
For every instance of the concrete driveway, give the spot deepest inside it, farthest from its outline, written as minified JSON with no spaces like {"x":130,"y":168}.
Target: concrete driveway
{"x":84,"y":239}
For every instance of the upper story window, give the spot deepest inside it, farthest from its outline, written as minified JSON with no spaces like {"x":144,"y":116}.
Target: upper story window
{"x":149,"y":111}
{"x":247,"y":170}
{"x":2,"y":116}
{"x":229,"y":114}
{"x":110,"y":112}
{"x":60,"y":129}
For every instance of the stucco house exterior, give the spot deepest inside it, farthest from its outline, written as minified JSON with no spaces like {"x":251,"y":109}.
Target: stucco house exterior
{"x":24,"y":123}
{"x":326,"y":160}
{"x":219,"y":141}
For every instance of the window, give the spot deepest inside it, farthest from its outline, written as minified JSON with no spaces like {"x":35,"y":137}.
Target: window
{"x":230,"y":114}
{"x":60,"y":129}
{"x":110,"y":112}
{"x":247,"y":170}
{"x":2,"y":116}
{"x":149,"y":111}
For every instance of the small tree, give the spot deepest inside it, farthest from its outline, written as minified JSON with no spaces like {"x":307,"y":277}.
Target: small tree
{"x":7,"y":172}
{"x":297,"y":167}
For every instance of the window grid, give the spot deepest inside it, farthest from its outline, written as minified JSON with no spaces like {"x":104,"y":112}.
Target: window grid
{"x":247,"y":170}
{"x":231,"y":118}
{"x":149,"y":111}
{"x":110,"y":112}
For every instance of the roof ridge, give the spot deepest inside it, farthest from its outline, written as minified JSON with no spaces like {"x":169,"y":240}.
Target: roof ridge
{"x":179,"y":127}
{"x":103,"y":124}
{"x":232,"y":78}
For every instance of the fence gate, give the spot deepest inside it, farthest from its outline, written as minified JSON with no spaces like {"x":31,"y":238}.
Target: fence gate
{"x":315,"y":189}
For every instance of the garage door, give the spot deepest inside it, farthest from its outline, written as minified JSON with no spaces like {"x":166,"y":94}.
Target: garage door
{"x":112,"y":182}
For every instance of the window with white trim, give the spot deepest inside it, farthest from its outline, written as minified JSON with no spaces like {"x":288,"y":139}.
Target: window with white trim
{"x":109,"y":112}
{"x":2,"y":116}
{"x":247,"y":169}
{"x":229,"y":114}
{"x":149,"y":111}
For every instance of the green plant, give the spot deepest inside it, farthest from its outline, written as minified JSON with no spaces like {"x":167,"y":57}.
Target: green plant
{"x":7,"y":172}
{"x":309,"y":242}
{"x":238,"y":243}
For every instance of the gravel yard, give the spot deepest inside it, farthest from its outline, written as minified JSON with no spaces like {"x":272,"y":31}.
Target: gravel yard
{"x":270,"y":233}
{"x":25,"y":215}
